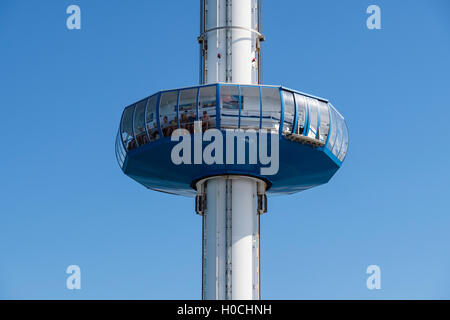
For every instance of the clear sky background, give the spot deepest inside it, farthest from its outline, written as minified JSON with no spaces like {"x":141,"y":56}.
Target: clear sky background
{"x":64,"y":200}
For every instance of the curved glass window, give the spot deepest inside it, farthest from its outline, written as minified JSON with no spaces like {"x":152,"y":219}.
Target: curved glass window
{"x":313,"y":112}
{"x":289,"y":111}
{"x":207,"y":102}
{"x":150,"y":118}
{"x":139,"y":123}
{"x":229,"y":102}
{"x":127,"y":129}
{"x":339,"y":136}
{"x":168,"y":113}
{"x":300,"y":101}
{"x":250,"y":107}
{"x":187,"y":109}
{"x":271,"y":108}
{"x":332,"y":138}
{"x":241,"y":106}
{"x":344,"y":148}
{"x":324,"y":127}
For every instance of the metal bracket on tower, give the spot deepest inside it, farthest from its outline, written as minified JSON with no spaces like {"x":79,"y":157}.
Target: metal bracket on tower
{"x":262,"y":198}
{"x":200,"y":204}
{"x":260,"y":38}
{"x":200,"y":200}
{"x":262,"y":203}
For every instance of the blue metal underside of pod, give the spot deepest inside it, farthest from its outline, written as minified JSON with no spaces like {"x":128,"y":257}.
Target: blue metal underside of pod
{"x":301,"y":166}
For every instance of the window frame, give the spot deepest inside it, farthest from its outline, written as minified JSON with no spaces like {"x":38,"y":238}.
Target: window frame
{"x":294,"y":113}
{"x":133,"y":106}
{"x":242,"y":98}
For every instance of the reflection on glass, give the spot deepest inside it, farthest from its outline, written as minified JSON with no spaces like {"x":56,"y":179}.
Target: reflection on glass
{"x":344,"y":148}
{"x":324,"y":127}
{"x":150,"y":118}
{"x":332,"y":138}
{"x":250,"y":108}
{"x":139,"y":123}
{"x":207,"y":101}
{"x":187,"y":109}
{"x":271,"y":108}
{"x":168,"y":112}
{"x":289,"y":111}
{"x":313,"y":117}
{"x":127,"y":129}
{"x":229,"y":98}
{"x":339,"y":135}
{"x":240,"y":108}
{"x":301,"y":113}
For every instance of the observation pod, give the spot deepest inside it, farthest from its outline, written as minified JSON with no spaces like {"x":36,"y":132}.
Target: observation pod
{"x":312,"y":137}
{"x":230,"y":142}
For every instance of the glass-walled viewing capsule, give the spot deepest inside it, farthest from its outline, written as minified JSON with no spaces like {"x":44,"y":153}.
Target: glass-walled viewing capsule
{"x":127,"y":129}
{"x":324,"y":114}
{"x":168,"y":112}
{"x":313,"y":117}
{"x":300,"y":103}
{"x":250,"y":107}
{"x":340,"y":146}
{"x":139,"y":123}
{"x":207,"y":104}
{"x":307,"y":119}
{"x":289,"y":111}
{"x":150,"y":118}
{"x":230,"y":103}
{"x":344,"y":148}
{"x":332,"y":135}
{"x":187,"y":109}
{"x":271,"y":108}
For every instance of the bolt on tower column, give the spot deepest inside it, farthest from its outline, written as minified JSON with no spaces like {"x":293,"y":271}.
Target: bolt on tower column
{"x":230,"y":205}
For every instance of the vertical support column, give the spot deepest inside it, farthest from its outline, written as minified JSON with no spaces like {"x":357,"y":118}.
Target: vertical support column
{"x":229,"y":47}
{"x":215,"y":62}
{"x":230,"y":42}
{"x":229,"y":253}
{"x":244,"y":228}
{"x":242,"y":42}
{"x":232,"y":207}
{"x":230,"y":238}
{"x":215,"y":240}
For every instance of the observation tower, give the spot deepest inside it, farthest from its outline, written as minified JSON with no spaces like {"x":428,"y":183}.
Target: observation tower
{"x":229,"y":142}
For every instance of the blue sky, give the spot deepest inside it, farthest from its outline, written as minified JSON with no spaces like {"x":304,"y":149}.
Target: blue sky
{"x":65,"y":201}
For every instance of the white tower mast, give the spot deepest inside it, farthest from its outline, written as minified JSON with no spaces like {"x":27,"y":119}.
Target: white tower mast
{"x":230,"y":205}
